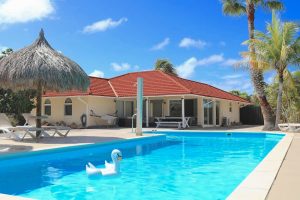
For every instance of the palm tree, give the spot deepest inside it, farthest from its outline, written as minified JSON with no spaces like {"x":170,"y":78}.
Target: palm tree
{"x":6,"y":52}
{"x":277,"y":49}
{"x":248,"y":7}
{"x":165,"y":66}
{"x":290,"y":96}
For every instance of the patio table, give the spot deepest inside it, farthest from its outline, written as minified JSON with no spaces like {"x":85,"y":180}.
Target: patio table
{"x":185,"y":122}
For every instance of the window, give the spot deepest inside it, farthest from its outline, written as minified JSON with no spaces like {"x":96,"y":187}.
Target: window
{"x":128,"y":105}
{"x":124,"y":108}
{"x":68,"y":107}
{"x":208,"y":111}
{"x":120,"y":108}
{"x":230,"y":107}
{"x":190,"y":107}
{"x":175,"y":108}
{"x":157,"y":108}
{"x":47,"y":107}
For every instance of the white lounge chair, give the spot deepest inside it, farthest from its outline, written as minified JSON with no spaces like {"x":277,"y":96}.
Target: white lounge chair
{"x":5,"y":128}
{"x":295,"y":128}
{"x":30,"y":121}
{"x":290,"y":127}
{"x":19,"y":132}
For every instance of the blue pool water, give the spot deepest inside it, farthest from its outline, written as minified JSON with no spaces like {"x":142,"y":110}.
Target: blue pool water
{"x":183,"y":165}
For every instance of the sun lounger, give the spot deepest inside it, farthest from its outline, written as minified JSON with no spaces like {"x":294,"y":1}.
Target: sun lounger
{"x":283,"y":127}
{"x":57,"y":130}
{"x":290,"y":127}
{"x":10,"y":134}
{"x":18,"y":132}
{"x":5,"y":126}
{"x":295,"y":128}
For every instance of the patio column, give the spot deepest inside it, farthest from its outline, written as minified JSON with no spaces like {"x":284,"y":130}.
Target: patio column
{"x":147,"y":112}
{"x":183,"y":113}
{"x":214,"y":112}
{"x":139,"y":102}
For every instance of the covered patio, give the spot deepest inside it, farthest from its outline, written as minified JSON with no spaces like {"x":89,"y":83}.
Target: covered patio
{"x":192,"y":110}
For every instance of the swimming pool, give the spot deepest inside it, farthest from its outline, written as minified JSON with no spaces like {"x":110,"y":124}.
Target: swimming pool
{"x":183,"y":165}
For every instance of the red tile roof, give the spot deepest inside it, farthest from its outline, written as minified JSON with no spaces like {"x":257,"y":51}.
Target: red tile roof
{"x":206,"y":90}
{"x":156,"y":83}
{"x":98,"y":87}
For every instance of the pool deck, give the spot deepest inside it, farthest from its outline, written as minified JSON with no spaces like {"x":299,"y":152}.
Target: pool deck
{"x":285,"y":183}
{"x":75,"y":137}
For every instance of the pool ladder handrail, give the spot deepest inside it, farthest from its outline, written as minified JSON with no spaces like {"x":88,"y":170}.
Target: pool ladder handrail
{"x":132,"y":118}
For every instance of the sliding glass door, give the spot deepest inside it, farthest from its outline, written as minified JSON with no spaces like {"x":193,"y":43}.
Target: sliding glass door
{"x":157,"y":108}
{"x":208,"y":112}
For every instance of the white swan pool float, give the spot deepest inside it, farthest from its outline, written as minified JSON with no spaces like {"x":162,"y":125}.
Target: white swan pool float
{"x":110,"y":168}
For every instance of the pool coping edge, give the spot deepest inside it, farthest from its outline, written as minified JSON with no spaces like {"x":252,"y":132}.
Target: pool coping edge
{"x":258,"y":183}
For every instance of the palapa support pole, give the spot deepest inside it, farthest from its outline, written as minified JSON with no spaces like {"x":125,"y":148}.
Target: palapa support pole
{"x":39,"y":108}
{"x":139,"y":102}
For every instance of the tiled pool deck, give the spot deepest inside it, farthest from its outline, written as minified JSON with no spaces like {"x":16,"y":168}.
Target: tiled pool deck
{"x":285,"y":186}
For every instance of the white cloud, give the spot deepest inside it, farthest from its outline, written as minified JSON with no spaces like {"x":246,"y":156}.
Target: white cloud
{"x":222,"y":43}
{"x":120,"y":67}
{"x":103,"y":25}
{"x":230,"y":82}
{"x":186,"y":69}
{"x":233,"y":76}
{"x":189,"y":42}
{"x":21,"y":11}
{"x":161,"y":45}
{"x":235,"y":84}
{"x":232,"y":62}
{"x":97,"y":73}
{"x":217,"y":58}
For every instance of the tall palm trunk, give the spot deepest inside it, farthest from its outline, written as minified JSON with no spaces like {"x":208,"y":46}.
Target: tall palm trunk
{"x":279,"y":100}
{"x":257,"y":75}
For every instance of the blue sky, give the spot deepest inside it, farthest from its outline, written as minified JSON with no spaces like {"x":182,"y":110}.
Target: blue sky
{"x":112,"y":37}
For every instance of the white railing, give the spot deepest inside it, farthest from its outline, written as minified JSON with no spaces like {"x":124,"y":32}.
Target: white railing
{"x":132,"y":118}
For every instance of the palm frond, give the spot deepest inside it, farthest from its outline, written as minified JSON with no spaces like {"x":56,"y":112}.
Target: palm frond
{"x":273,"y":5}
{"x":288,"y":76}
{"x":233,"y":7}
{"x":290,"y":29}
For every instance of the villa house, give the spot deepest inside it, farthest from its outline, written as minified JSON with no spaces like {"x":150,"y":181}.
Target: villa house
{"x":164,"y":95}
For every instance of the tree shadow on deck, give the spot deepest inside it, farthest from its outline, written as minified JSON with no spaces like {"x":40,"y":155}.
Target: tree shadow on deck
{"x":11,"y":148}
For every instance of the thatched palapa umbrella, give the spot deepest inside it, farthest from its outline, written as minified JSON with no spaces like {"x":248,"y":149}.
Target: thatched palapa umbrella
{"x":40,"y":67}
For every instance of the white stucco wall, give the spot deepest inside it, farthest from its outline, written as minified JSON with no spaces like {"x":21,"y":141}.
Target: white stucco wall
{"x":57,"y":110}
{"x":100,"y":105}
{"x":107,"y":105}
{"x":233,"y":116}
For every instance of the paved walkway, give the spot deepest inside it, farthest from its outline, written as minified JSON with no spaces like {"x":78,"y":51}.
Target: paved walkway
{"x":287,"y":183}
